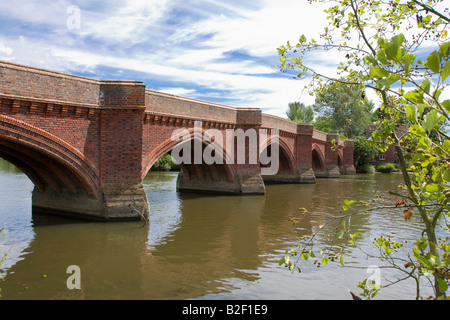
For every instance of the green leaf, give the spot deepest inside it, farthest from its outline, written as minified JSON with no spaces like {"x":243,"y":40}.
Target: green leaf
{"x":424,"y":261}
{"x":371,"y":59}
{"x":445,"y":71}
{"x":407,"y":60}
{"x":443,"y":286}
{"x":432,"y":187}
{"x":446,"y":105}
{"x":378,"y":72}
{"x":393,"y":49}
{"x":349,"y":202}
{"x":414,"y":96}
{"x":411,"y":112}
{"x":446,"y":175}
{"x":302,"y":39}
{"x":426,"y":85}
{"x":305,"y":256}
{"x":341,"y":260}
{"x":431,"y":120}
{"x":444,"y":48}
{"x":433,"y":61}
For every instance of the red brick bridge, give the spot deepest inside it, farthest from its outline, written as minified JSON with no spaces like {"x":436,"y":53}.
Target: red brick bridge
{"x":88,"y":144}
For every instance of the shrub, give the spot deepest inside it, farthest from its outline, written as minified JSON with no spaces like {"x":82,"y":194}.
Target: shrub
{"x":366,"y":168}
{"x":387,"y":168}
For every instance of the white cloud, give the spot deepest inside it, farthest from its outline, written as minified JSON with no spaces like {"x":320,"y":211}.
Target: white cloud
{"x":259,"y":32}
{"x":128,"y":23}
{"x":136,"y":35}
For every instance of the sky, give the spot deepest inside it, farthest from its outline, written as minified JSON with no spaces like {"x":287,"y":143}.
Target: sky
{"x":219,"y":51}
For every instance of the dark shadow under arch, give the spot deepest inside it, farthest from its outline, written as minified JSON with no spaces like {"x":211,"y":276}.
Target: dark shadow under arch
{"x":48,"y":161}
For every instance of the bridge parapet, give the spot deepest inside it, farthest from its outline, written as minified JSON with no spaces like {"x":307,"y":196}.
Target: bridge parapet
{"x":29,"y":82}
{"x":163,"y":103}
{"x":271,"y":121}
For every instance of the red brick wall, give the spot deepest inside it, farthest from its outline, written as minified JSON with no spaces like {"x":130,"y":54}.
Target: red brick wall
{"x":117,"y":125}
{"x":121,"y":145}
{"x":43,"y":84}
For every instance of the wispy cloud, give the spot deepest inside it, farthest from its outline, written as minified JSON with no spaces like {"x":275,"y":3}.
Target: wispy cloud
{"x":219,"y":51}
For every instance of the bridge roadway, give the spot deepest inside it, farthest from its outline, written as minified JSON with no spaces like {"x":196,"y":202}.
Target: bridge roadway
{"x":88,"y":144}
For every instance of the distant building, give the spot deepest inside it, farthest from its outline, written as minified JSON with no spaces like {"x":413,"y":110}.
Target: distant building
{"x":390,"y":156}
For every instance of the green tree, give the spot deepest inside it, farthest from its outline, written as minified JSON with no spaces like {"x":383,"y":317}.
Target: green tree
{"x":342,"y":108}
{"x":364,"y":152}
{"x":300,"y":113}
{"x":402,"y":54}
{"x":165,"y":163}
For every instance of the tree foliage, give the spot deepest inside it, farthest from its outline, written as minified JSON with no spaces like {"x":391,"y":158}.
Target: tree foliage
{"x":165,"y":163}
{"x":398,"y":49}
{"x":298,"y":112}
{"x":364,"y":152}
{"x":342,"y":109}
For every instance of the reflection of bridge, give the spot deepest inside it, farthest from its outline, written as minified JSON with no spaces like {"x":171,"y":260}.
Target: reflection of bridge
{"x":87,"y":144}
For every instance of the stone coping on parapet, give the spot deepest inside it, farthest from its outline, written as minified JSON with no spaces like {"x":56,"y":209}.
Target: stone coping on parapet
{"x":46,"y":86}
{"x":181,"y":98}
{"x":59,"y":74}
{"x":46,"y":72}
{"x":271,"y":121}
{"x":160,"y":102}
{"x":323,"y":136}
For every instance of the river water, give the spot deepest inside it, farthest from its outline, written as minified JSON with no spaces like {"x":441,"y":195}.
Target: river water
{"x":198,"y":246}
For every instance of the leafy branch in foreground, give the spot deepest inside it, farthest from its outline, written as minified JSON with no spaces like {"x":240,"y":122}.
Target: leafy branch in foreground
{"x":397,"y":49}
{"x":413,"y":264}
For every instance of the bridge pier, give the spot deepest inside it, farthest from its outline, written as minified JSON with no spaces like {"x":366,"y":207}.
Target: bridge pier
{"x":241,"y":185}
{"x":114,"y":202}
{"x":304,"y":140}
{"x":348,"y":166}
{"x":117,"y":144}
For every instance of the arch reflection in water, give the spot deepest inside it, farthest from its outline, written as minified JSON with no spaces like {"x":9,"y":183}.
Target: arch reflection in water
{"x":195,"y":245}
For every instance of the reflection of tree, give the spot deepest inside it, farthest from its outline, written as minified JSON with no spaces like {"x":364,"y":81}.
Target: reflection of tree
{"x":107,"y":254}
{"x":213,"y":238}
{"x":6,"y":166}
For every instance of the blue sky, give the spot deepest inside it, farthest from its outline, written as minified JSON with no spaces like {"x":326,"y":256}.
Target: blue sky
{"x":219,"y":51}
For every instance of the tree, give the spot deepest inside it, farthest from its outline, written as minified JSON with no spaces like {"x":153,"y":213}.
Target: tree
{"x":342,"y":108}
{"x":364,"y":152}
{"x":300,"y":113}
{"x":402,"y":54}
{"x":165,"y":163}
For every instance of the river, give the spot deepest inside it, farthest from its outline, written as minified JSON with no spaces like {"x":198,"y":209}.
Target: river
{"x":197,"y":246}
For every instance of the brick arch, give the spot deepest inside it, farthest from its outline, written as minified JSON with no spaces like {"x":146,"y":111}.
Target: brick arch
{"x":215,"y":170}
{"x":340,"y":157}
{"x":47,"y":160}
{"x":318,"y":159}
{"x":287,"y":161}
